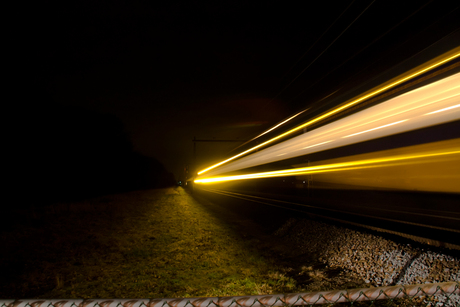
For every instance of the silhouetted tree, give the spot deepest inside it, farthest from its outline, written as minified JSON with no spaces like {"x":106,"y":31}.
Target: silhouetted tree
{"x":70,"y":153}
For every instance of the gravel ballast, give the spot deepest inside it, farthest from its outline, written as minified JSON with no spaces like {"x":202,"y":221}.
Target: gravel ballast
{"x":376,"y":260}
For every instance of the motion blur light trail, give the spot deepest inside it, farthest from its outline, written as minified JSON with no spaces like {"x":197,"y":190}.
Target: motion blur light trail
{"x":445,"y":58}
{"x":435,"y":172}
{"x":430,"y":105}
{"x":445,"y":157}
{"x":274,"y":127}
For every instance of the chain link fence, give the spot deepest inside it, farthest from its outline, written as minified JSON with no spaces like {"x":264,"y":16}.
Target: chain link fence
{"x":445,"y":294}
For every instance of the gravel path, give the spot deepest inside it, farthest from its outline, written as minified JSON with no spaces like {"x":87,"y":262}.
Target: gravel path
{"x":373,"y":259}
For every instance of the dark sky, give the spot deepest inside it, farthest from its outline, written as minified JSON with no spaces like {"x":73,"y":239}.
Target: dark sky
{"x":178,"y":70}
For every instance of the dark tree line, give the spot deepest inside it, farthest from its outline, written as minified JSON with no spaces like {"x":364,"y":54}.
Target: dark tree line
{"x":69,"y":153}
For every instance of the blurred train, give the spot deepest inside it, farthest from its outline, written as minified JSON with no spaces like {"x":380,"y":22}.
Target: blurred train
{"x":405,"y":135}
{"x":386,"y":155}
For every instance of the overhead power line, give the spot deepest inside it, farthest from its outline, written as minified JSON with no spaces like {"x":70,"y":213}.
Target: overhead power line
{"x":364,"y":48}
{"x":321,"y":36}
{"x":314,"y":60}
{"x":316,"y":57}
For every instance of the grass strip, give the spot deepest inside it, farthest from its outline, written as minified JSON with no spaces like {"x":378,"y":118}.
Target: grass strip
{"x":144,"y":244}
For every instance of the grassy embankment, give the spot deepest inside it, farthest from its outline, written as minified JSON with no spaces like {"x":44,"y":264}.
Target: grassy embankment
{"x":146,"y":244}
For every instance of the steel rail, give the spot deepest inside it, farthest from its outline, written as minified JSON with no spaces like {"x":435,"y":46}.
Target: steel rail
{"x":341,"y":211}
{"x":416,"y":238}
{"x":358,"y":206}
{"x":435,"y":290}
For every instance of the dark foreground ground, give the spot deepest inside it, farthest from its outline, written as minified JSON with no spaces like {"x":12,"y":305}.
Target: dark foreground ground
{"x":153,"y":244}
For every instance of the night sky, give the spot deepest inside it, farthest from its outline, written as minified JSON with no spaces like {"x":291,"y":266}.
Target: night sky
{"x":173,"y":71}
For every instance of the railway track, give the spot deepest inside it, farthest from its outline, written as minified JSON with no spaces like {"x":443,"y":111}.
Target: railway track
{"x":393,"y":213}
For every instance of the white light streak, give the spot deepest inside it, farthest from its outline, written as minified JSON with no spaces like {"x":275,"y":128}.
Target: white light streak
{"x":276,"y":126}
{"x":398,"y":122}
{"x":445,"y":109}
{"x":317,"y":144}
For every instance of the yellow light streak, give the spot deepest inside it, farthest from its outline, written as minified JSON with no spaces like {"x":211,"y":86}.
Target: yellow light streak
{"x":438,"y":61}
{"x":276,"y":126}
{"x":387,"y":125}
{"x":328,"y":167}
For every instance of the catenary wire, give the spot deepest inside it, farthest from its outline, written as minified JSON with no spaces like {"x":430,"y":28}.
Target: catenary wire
{"x":321,"y":36}
{"x":373,"y":63}
{"x":317,"y":57}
